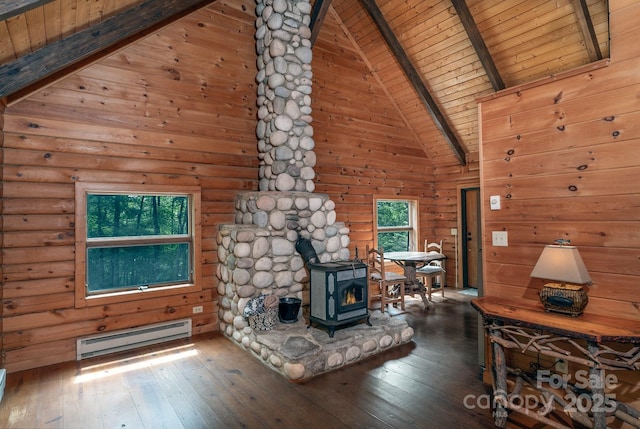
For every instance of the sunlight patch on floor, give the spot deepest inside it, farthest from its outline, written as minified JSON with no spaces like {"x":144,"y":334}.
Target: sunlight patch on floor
{"x":103,"y":370}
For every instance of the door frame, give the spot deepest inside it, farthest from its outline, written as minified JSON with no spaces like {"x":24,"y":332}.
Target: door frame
{"x":459,"y":189}
{"x":460,"y":245}
{"x":477,"y":236}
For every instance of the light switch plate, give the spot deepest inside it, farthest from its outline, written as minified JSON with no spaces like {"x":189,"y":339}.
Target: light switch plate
{"x":494,"y":202}
{"x":500,"y":238}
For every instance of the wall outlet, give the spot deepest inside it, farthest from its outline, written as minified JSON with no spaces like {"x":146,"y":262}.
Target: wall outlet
{"x":562,"y":366}
{"x":500,"y":238}
{"x":197,"y":309}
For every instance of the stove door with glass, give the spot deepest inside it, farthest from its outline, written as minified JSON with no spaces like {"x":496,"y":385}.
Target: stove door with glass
{"x":338,"y":293}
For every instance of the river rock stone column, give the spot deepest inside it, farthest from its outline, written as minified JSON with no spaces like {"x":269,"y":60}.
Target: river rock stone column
{"x":257,"y":254}
{"x":284,"y":131}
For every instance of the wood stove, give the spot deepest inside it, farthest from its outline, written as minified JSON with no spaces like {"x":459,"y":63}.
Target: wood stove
{"x":339,"y":294}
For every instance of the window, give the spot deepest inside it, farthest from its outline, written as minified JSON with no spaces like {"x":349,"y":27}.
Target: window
{"x":396,"y":226}
{"x":135,"y":239}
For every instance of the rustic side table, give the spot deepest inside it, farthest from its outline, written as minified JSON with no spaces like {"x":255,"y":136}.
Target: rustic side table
{"x":596,"y":343}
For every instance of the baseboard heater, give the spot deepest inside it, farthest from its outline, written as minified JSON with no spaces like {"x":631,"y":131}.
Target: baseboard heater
{"x":127,"y":339}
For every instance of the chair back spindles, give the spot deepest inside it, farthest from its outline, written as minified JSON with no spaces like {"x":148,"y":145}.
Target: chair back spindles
{"x":385,"y":285}
{"x":433,"y":272}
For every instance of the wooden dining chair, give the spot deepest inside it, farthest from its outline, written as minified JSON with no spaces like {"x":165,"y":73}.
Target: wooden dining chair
{"x":432,"y":274}
{"x":386,"y":285}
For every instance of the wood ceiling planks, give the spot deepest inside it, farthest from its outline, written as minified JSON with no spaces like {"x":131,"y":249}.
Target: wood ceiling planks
{"x":416,"y":80}
{"x":527,"y":40}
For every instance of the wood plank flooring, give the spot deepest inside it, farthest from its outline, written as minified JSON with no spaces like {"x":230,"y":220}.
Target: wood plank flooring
{"x":211,"y":383}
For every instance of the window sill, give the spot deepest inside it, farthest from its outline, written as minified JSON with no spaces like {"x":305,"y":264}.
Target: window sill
{"x":134,"y":295}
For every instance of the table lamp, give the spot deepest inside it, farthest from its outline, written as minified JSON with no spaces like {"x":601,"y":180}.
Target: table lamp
{"x":562,"y":264}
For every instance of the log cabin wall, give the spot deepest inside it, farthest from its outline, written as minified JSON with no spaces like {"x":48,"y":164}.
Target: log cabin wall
{"x":153,"y":113}
{"x":564,"y":156}
{"x":178,"y":108}
{"x":364,"y":150}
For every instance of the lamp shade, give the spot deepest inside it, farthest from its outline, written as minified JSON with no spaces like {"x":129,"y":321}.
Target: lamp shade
{"x":561,"y":264}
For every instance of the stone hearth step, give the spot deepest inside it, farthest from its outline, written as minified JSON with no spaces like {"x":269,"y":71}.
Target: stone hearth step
{"x":300,"y":352}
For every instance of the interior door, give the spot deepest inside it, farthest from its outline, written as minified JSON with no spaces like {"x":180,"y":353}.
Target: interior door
{"x":472,"y":239}
{"x":472,"y":254}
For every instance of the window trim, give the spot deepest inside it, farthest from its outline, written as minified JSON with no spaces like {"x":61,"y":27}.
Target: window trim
{"x":413,"y":228}
{"x":82,"y":299}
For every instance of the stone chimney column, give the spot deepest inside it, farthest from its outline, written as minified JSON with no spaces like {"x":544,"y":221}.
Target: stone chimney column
{"x":284,"y":131}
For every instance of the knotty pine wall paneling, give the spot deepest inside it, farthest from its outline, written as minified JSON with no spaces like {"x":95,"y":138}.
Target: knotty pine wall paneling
{"x":176,"y":108}
{"x":564,"y":155}
{"x":363,"y":148}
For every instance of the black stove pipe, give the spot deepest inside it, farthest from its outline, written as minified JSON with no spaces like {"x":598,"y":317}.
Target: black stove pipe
{"x":306,"y":250}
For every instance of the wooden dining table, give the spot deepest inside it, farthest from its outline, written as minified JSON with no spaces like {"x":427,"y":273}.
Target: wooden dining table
{"x":410,"y":261}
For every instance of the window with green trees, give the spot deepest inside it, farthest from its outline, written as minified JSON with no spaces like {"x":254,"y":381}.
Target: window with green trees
{"x":396,"y":225}
{"x":137,"y":239}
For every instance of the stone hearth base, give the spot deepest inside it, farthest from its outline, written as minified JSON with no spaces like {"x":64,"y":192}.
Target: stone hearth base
{"x":299,"y":352}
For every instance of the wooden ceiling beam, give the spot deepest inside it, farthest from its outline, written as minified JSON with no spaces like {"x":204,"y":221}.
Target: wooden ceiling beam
{"x":478,"y":44}
{"x":586,"y":27}
{"x":319,"y":12}
{"x":9,"y":9}
{"x":414,"y":78}
{"x":56,"y":56}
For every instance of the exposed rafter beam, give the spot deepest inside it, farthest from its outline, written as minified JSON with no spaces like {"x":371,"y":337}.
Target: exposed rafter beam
{"x":38,"y":65}
{"x":320,"y":8}
{"x":415,"y":79}
{"x":586,"y":27}
{"x":9,"y":9}
{"x":478,"y":44}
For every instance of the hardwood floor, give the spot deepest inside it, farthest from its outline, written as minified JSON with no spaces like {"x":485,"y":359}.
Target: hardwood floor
{"x":211,"y":383}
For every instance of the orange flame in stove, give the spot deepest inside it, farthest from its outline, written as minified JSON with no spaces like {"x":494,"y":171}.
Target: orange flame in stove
{"x":350,"y":298}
